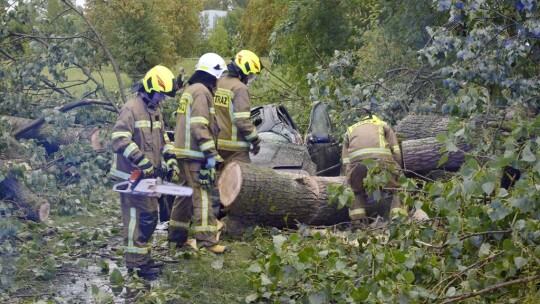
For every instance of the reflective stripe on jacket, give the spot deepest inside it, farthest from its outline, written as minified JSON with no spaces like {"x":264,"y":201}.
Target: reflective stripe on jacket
{"x":370,"y":138}
{"x":138,"y":131}
{"x":196,"y":125}
{"x":233,"y":114}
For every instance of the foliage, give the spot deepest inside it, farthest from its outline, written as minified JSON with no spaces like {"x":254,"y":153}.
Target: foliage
{"x":484,"y":239}
{"x":258,"y":22}
{"x":219,"y":41}
{"x":474,"y":58}
{"x":146,"y":33}
{"x":309,"y":33}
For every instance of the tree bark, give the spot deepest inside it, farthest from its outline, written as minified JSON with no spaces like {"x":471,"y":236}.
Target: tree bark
{"x":49,"y":139}
{"x":421,"y":126}
{"x":422,"y":155}
{"x":33,"y":207}
{"x":254,"y":195}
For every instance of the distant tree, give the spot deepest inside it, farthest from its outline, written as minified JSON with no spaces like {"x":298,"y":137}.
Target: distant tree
{"x":224,"y":5}
{"x":146,"y":32}
{"x":219,"y":40}
{"x":258,"y":22}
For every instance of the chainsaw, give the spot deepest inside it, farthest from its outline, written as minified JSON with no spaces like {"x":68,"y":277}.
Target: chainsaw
{"x":153,"y":187}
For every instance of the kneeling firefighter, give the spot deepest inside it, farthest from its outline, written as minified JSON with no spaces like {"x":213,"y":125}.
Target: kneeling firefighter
{"x":370,"y":138}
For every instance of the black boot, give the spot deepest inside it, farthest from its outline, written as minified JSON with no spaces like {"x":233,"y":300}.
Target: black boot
{"x":155,"y":264}
{"x":146,"y":272}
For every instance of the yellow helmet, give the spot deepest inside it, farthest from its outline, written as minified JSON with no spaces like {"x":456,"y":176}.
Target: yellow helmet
{"x":159,"y":79}
{"x":248,"y":62}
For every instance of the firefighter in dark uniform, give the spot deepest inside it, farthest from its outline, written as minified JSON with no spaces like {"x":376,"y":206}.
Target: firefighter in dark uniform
{"x":139,"y":142}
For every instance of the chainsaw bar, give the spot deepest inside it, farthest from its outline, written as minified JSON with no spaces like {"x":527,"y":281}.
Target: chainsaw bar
{"x":152,"y":187}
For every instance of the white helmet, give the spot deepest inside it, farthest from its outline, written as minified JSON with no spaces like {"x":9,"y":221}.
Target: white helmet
{"x":211,"y":63}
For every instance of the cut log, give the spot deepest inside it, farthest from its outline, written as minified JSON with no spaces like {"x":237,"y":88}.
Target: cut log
{"x":422,"y":155}
{"x":33,"y":207}
{"x":52,"y":140}
{"x":254,"y":195}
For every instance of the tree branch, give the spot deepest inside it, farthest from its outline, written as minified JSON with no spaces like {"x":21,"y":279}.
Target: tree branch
{"x":462,"y":297}
{"x":38,"y":122}
{"x":103,"y":46}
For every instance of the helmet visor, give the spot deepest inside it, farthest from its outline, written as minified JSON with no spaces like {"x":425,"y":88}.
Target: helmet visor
{"x":251,"y":77}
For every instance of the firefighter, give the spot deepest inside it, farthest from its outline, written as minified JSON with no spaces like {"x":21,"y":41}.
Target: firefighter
{"x":370,"y":138}
{"x":232,"y":102}
{"x":139,"y":142}
{"x":195,"y":139}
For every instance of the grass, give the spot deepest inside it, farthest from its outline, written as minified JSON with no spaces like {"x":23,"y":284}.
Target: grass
{"x":77,"y":246}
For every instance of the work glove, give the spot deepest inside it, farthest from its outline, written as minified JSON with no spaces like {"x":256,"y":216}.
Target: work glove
{"x":256,"y":146}
{"x":210,"y":163}
{"x":145,"y":165}
{"x":173,"y":171}
{"x":207,"y":175}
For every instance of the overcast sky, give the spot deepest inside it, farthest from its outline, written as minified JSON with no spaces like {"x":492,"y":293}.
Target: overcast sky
{"x":80,"y":2}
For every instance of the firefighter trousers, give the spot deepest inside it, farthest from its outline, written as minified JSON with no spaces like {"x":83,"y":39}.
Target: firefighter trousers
{"x":229,"y":156}
{"x":198,"y":208}
{"x":139,"y":217}
{"x":355,"y":178}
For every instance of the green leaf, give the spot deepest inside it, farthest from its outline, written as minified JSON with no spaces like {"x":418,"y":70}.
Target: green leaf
{"x":400,"y":257}
{"x":103,"y":265}
{"x":318,"y":298}
{"x":255,"y":267}
{"x":95,"y":289}
{"x":451,"y":292}
{"x":484,"y":250}
{"x":488,"y":187}
{"x":265,"y":280}
{"x":251,"y":298}
{"x":360,"y":294}
{"x":520,"y":261}
{"x":527,"y":155}
{"x":409,"y":277}
{"x":443,"y":160}
{"x":450,"y":146}
{"x":116,"y":277}
{"x":279,"y":240}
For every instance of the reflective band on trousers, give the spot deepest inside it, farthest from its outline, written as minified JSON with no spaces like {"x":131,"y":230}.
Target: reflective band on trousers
{"x":173,"y":223}
{"x":137,"y":250}
{"x":204,"y":227}
{"x":357,"y":211}
{"x":132,"y":225}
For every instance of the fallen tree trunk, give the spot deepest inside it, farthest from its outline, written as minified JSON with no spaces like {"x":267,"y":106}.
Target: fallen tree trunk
{"x":422,"y":155}
{"x":254,"y":195}
{"x":421,"y":126}
{"x":33,"y":207}
{"x":52,"y":140}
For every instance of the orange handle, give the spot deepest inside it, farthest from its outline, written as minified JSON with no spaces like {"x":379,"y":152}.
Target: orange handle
{"x":135,"y":178}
